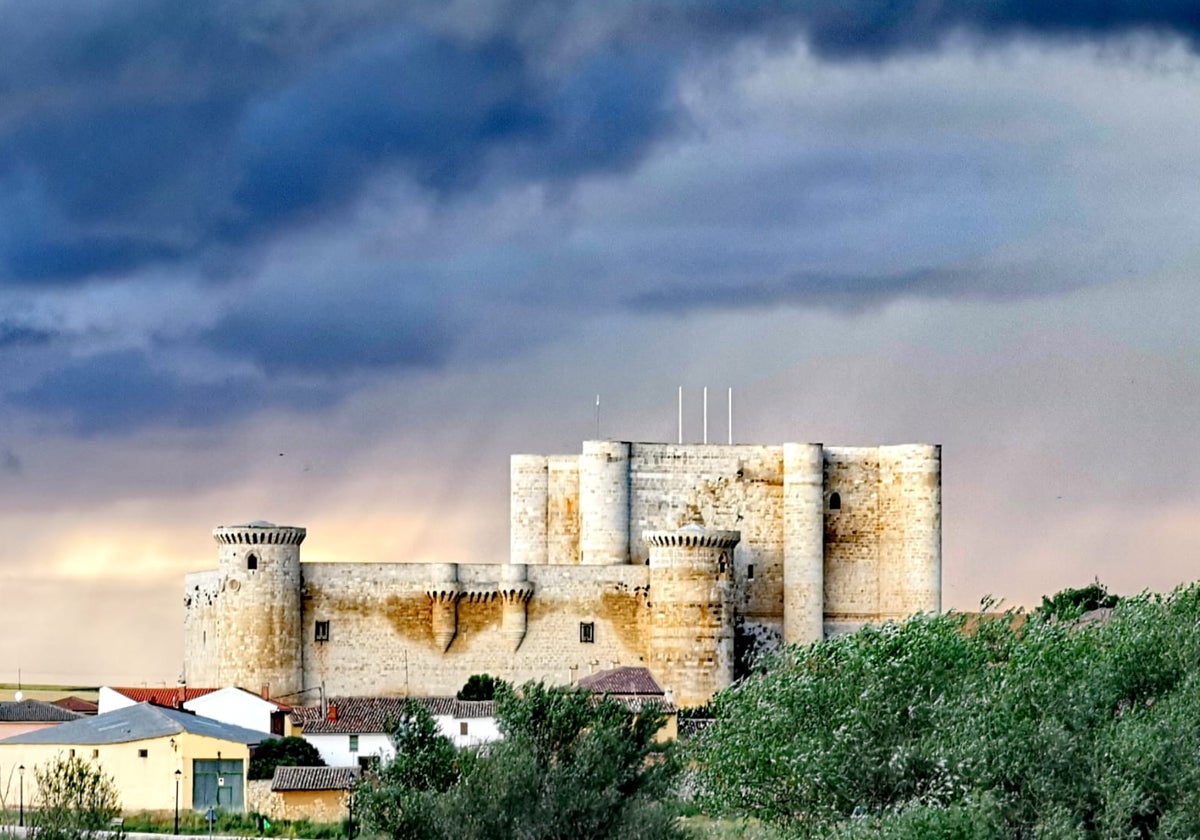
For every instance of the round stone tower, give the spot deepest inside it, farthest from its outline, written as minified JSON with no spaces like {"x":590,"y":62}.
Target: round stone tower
{"x":690,"y":633}
{"x":258,"y":570}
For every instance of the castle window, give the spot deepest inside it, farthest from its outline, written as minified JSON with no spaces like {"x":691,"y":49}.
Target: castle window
{"x":353,"y":743}
{"x":587,"y":632}
{"x":141,"y":753}
{"x":251,"y":562}
{"x":322,"y":631}
{"x":95,"y":753}
{"x":835,"y":501}
{"x":750,"y":571}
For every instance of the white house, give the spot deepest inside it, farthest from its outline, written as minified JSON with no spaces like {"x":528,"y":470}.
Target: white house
{"x":357,"y":730}
{"x":234,"y":706}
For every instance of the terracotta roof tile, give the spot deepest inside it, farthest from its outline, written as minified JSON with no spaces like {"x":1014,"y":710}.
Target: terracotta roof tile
{"x":313,"y":778}
{"x":163,"y":695}
{"x":625,"y":680}
{"x":77,"y":704}
{"x":377,"y":714}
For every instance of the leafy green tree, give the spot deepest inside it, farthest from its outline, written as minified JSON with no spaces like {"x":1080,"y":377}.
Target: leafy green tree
{"x":479,"y":687}
{"x":1069,"y":604}
{"x":568,"y":766}
{"x":1012,"y":726}
{"x":399,"y":800}
{"x":282,"y":752}
{"x":75,"y":801}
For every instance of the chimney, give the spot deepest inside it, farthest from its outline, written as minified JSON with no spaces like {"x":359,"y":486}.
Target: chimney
{"x":265,"y":691}
{"x":332,"y":716}
{"x":180,"y":695}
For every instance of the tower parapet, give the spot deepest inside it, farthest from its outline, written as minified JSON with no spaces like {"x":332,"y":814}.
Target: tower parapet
{"x":690,"y":633}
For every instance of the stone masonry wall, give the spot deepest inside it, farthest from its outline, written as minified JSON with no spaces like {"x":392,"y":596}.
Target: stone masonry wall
{"x":381,"y":639}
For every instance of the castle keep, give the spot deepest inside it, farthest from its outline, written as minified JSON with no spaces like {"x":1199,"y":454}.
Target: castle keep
{"x":681,"y":558}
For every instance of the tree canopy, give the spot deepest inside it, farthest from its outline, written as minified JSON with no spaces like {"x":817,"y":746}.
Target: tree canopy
{"x":568,"y":767}
{"x":954,"y":726}
{"x":282,"y":752}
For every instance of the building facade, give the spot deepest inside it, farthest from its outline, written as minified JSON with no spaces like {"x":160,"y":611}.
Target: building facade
{"x":685,"y":559}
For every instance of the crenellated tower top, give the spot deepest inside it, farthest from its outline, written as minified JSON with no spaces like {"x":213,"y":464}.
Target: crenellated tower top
{"x":259,"y":533}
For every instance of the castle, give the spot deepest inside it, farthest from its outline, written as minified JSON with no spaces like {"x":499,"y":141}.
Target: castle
{"x":680,"y":558}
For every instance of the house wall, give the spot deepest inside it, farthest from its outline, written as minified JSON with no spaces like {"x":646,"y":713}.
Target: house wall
{"x":325,"y":806}
{"x":234,"y":706}
{"x":142,"y":783}
{"x":335,"y":748}
{"x":7,"y":730}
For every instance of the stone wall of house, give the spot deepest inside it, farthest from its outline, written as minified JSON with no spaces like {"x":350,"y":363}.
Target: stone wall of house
{"x":318,"y":806}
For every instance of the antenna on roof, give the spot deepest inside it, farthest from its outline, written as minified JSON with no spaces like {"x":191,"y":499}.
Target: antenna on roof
{"x":731,"y":416}
{"x":680,"y":415}
{"x":597,"y":417}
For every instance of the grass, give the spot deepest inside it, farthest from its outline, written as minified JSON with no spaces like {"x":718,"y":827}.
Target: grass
{"x":706,"y":828}
{"x":237,"y":824}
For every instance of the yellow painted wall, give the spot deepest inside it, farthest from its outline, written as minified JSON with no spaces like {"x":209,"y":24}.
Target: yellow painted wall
{"x":143,"y":783}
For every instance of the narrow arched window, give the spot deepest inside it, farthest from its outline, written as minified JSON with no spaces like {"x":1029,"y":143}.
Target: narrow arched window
{"x":251,"y":561}
{"x":835,"y":501}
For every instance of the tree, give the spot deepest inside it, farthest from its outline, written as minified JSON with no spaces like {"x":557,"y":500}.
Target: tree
{"x":282,"y":752}
{"x":479,"y":687}
{"x":943,"y":727}
{"x":400,"y":799}
{"x":75,"y":801}
{"x":569,"y":766}
{"x":1069,"y":604}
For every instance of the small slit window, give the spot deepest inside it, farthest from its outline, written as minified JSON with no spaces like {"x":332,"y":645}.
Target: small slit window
{"x":95,"y":753}
{"x":251,"y":562}
{"x":587,"y":632}
{"x":835,"y":501}
{"x":321,"y":633}
{"x":749,"y":571}
{"x":143,"y":753}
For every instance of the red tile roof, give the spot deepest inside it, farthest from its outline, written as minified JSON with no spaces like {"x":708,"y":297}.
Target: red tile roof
{"x":313,"y":778}
{"x":377,"y":714}
{"x":625,"y":680}
{"x":164,"y":695}
{"x":76,"y":704}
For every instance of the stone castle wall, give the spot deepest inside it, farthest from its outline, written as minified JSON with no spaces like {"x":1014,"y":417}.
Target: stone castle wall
{"x":828,"y":538}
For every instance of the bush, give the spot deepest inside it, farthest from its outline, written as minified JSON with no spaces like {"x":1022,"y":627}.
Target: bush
{"x":74,"y":800}
{"x":567,"y":766}
{"x":479,"y":687}
{"x":940,"y":727}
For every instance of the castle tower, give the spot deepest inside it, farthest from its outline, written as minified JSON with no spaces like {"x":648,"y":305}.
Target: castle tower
{"x":444,"y":592}
{"x":689,"y":641}
{"x":910,"y":478}
{"x":604,"y":503}
{"x":514,"y":591}
{"x":528,"y":488}
{"x":803,"y":543}
{"x":258,"y":607}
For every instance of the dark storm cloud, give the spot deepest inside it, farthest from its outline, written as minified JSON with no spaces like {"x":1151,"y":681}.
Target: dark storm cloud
{"x":122,"y":391}
{"x":229,"y":142}
{"x":828,"y":291}
{"x":148,"y":132}
{"x":20,"y":335}
{"x":331,"y":332}
{"x":877,"y":28}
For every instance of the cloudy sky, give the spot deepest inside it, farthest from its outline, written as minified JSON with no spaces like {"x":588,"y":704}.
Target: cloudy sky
{"x":328,"y":264}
